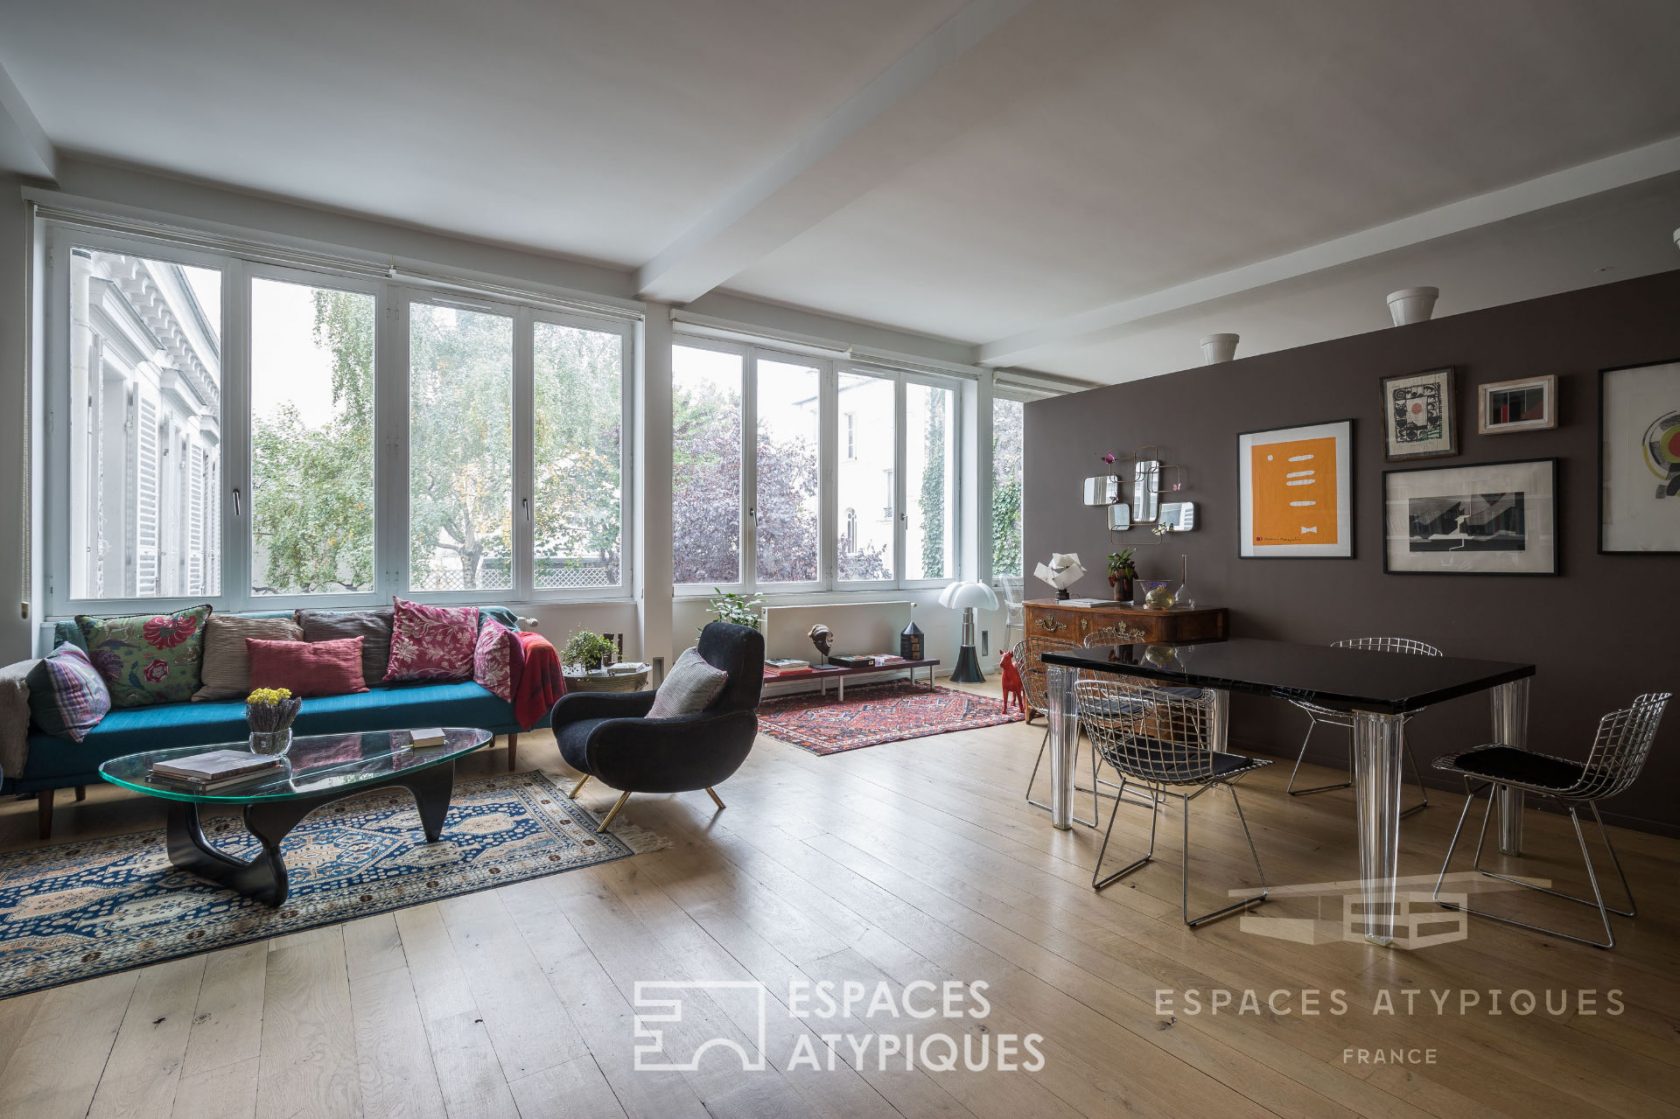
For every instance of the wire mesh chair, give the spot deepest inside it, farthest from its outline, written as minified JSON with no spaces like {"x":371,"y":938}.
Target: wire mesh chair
{"x":1619,"y":750}
{"x":1035,"y":689}
{"x":1327,"y":716}
{"x":1102,"y":638}
{"x":1160,"y":740}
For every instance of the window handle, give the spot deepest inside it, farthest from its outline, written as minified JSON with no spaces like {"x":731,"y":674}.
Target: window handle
{"x":238,"y":504}
{"x":526,"y":502}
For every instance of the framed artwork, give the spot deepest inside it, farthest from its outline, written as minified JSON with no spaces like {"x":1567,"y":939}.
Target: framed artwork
{"x":1296,"y":490}
{"x":1528,"y":404}
{"x":1494,"y":518}
{"x":1418,"y":415}
{"x":1639,"y":459}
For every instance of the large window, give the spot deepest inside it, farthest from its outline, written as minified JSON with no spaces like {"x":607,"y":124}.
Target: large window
{"x":785,"y":511}
{"x":144,"y":404}
{"x":705,"y":465}
{"x":579,"y":460}
{"x":477,"y":449}
{"x":1007,"y":478}
{"x":312,"y":482}
{"x":931,"y":481}
{"x":460,"y":456}
{"x":867,"y":499}
{"x":849,"y":479}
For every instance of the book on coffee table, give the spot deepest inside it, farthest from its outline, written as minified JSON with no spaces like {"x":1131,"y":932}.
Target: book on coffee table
{"x":215,"y":766}
{"x":422,"y":738}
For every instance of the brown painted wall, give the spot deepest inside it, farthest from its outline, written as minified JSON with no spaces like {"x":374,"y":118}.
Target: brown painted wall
{"x":1605,"y":630}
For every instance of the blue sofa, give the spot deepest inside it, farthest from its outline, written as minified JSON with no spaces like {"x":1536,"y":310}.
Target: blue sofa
{"x":57,"y":763}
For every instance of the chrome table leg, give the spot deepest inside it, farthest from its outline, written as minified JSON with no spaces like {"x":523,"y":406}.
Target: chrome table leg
{"x":1219,"y":720}
{"x":1378,"y":743}
{"x":1510,"y":726}
{"x":1064,"y":738}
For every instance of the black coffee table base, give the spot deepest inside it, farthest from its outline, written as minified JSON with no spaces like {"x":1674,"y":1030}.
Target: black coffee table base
{"x":264,"y":877}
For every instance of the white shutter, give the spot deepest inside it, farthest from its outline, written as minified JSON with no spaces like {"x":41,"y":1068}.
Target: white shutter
{"x":195,"y":520}
{"x":146,"y":482}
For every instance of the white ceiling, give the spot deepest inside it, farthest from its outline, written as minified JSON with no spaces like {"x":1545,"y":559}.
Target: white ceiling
{"x":985,"y":171}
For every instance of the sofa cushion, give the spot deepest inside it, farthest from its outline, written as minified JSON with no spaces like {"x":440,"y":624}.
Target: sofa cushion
{"x":372,"y":626}
{"x":432,"y":642}
{"x":493,"y":658}
{"x":67,"y":696}
{"x":130,"y":730}
{"x":147,"y":658}
{"x":308,"y":668}
{"x":226,"y":673}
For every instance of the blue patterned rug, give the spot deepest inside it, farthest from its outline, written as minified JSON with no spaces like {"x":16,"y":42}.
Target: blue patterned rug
{"x":77,"y":910}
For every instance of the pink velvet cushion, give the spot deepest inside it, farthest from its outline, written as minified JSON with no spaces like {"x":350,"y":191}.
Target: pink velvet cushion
{"x":493,"y":659}
{"x":307,"y":668}
{"x":432,"y":642}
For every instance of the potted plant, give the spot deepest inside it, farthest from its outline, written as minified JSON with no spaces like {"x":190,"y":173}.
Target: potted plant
{"x":737,"y":608}
{"x":1121,"y":571}
{"x":589,"y":651}
{"x":269,"y":713}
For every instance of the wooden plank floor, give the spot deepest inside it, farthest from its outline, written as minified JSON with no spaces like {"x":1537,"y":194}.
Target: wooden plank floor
{"x":906,"y":862}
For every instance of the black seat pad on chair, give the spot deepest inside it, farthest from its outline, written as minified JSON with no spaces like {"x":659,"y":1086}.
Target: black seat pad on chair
{"x":1507,"y":763}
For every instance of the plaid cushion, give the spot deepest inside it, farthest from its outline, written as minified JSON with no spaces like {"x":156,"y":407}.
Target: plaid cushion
{"x":67,"y":696}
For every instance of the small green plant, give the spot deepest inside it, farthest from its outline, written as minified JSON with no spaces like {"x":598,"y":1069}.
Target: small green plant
{"x":1120,"y":563}
{"x":589,"y":650}
{"x":737,"y":608}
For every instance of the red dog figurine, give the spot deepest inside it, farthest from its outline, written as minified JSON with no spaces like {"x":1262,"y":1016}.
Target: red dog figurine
{"x":1011,"y":683}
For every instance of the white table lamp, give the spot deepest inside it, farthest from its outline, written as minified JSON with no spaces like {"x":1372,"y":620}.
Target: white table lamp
{"x":968,"y":597}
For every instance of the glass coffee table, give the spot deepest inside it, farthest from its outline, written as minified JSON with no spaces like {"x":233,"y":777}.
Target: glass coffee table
{"x":318,"y":770}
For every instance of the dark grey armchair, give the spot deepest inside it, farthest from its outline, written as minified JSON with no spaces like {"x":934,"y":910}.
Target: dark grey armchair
{"x":607,"y":735}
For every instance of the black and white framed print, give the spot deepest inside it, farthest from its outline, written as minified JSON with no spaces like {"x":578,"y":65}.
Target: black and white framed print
{"x":1527,"y":404}
{"x":1639,"y":459}
{"x":1496,"y":518}
{"x":1419,"y":419}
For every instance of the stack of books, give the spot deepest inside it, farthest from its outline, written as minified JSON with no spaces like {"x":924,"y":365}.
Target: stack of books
{"x":867,"y":660}
{"x":786,"y":667}
{"x":215,"y":769}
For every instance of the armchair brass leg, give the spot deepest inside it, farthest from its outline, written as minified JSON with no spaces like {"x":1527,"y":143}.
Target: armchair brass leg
{"x":717,"y":800}
{"x":612,"y":813}
{"x":513,"y":751}
{"x":578,"y":788}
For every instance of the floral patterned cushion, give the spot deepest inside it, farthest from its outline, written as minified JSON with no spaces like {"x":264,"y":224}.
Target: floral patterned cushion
{"x":493,"y":659}
{"x":147,"y":658}
{"x":432,"y":642}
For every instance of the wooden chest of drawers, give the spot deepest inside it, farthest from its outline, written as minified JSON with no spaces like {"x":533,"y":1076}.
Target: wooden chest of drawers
{"x":1050,"y":623}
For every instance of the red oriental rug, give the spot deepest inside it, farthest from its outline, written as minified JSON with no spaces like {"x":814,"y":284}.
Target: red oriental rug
{"x":875,"y":714}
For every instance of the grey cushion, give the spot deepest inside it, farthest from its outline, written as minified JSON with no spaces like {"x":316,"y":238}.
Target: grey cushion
{"x":689,"y":688}
{"x":372,"y":626}
{"x":226,"y":672}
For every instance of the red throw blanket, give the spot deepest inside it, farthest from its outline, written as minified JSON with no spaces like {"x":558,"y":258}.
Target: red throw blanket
{"x":538,"y":682}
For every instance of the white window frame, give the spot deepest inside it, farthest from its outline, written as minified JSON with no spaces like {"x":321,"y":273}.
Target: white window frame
{"x":391,"y":498}
{"x":831,"y":449}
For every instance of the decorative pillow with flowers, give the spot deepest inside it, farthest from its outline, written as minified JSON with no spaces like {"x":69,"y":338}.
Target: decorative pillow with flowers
{"x":431,"y":642}
{"x":147,"y":658}
{"x":493,"y":659}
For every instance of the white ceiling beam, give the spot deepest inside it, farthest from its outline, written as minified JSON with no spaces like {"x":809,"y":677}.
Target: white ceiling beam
{"x":847,"y":154}
{"x":24,"y":147}
{"x":1582,"y":181}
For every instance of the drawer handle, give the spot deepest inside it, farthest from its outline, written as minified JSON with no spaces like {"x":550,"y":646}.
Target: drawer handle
{"x":1049,"y":625}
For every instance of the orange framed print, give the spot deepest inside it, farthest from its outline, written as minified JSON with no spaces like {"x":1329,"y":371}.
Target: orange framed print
{"x":1296,"y":489}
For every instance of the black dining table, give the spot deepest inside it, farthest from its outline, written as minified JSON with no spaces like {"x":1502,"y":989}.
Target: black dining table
{"x":1378,"y":689}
